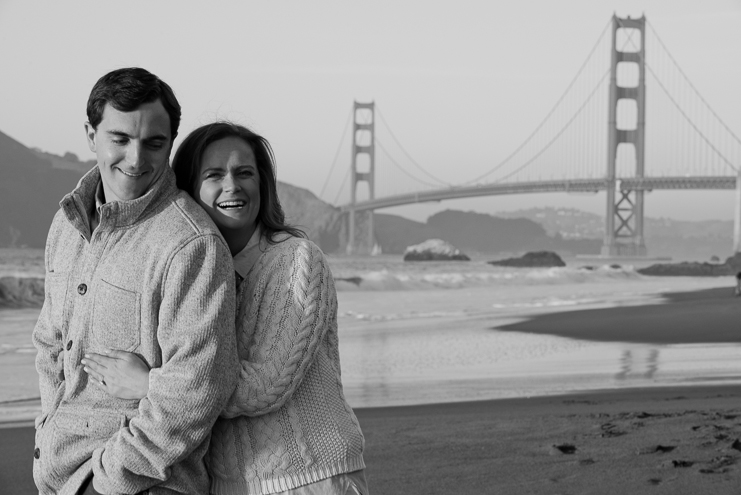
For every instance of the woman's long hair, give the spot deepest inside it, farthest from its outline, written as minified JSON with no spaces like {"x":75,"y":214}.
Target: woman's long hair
{"x":187,"y":167}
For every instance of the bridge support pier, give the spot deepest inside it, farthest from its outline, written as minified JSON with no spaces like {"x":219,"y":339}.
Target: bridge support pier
{"x":358,"y":243}
{"x":624,"y":216}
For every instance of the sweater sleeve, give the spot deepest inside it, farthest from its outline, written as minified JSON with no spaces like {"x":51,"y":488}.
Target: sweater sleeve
{"x":198,"y":372}
{"x":47,"y":338}
{"x":288,"y":314}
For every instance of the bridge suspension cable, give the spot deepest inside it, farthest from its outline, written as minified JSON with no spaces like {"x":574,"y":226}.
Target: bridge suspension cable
{"x":414,"y":162}
{"x":681,"y":110}
{"x":559,"y":133}
{"x":550,"y":113}
{"x":687,"y":79}
{"x":689,"y":121}
{"x":337,"y":154}
{"x":385,"y":152}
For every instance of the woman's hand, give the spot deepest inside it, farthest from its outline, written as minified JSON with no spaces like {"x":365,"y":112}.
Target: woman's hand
{"x":120,"y":374}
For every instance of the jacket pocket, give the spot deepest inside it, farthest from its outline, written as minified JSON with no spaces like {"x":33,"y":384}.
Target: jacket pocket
{"x":116,"y":317}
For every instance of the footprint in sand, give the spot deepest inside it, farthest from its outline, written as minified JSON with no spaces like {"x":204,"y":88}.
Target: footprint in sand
{"x":565,"y":448}
{"x":655,"y":449}
{"x":719,"y":465}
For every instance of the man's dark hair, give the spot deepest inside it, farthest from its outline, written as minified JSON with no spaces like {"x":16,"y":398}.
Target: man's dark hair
{"x":127,"y":89}
{"x":187,"y":167}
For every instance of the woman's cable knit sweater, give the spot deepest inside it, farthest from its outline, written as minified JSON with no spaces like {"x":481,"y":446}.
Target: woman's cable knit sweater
{"x":287,"y":423}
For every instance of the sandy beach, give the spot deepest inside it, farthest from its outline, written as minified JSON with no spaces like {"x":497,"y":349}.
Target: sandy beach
{"x":614,"y":384}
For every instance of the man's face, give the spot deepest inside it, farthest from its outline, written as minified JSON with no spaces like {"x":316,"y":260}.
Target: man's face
{"x":133,"y":149}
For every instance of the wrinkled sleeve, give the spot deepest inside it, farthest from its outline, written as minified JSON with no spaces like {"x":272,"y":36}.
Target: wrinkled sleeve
{"x":289,"y":313}
{"x":197,"y":376}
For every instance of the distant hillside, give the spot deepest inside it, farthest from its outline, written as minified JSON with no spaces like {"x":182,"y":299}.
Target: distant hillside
{"x":30,"y":191}
{"x":34,"y":181}
{"x":680,"y":239}
{"x":69,"y":161}
{"x":319,"y":220}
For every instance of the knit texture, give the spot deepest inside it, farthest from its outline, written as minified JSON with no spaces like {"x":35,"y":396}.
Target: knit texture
{"x":154,"y":278}
{"x":287,"y":423}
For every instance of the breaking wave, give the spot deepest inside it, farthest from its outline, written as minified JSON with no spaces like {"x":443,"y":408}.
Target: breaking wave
{"x":410,"y":277}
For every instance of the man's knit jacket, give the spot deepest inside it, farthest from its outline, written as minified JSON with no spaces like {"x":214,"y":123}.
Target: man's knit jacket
{"x":288,"y":423}
{"x":155,"y":278}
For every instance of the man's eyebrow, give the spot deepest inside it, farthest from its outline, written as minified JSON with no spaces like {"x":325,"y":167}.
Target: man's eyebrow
{"x":114,"y":132}
{"x":156,"y":137}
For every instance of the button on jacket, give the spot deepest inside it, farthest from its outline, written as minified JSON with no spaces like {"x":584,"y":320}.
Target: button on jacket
{"x":155,"y":278}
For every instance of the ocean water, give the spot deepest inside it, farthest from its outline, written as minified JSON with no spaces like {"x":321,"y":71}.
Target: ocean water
{"x":427,"y":332}
{"x":413,"y":333}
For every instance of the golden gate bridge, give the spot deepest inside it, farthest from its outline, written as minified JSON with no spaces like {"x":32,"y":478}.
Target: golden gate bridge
{"x":581,"y":145}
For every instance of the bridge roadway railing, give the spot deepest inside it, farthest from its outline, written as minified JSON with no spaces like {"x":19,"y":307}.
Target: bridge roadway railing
{"x":573,"y":185}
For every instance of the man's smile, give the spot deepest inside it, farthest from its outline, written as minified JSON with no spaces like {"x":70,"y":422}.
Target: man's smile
{"x":128,"y":174}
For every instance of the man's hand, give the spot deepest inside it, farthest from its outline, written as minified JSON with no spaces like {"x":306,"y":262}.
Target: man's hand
{"x":120,"y":374}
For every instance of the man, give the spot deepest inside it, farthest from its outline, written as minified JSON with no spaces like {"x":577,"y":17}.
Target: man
{"x":134,"y":264}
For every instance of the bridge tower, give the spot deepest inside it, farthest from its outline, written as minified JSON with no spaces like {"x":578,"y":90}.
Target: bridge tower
{"x":362,"y":242}
{"x":624,"y":218}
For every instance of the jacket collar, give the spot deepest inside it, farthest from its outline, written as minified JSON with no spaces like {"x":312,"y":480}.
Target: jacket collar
{"x":78,"y":204}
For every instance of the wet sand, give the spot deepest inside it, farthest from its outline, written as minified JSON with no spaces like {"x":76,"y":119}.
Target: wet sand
{"x":637,"y":441}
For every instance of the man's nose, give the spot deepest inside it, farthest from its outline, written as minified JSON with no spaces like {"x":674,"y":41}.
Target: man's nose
{"x":134,"y":155}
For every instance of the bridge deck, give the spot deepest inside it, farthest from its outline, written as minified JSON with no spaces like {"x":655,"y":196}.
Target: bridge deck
{"x":576,"y":185}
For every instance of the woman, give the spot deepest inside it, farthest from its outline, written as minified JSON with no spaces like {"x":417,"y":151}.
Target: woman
{"x":287,"y":427}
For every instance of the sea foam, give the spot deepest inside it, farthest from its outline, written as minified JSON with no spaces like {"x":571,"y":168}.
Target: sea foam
{"x":411,"y":276}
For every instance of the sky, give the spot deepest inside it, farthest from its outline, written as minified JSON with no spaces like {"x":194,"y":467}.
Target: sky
{"x":460,"y":83}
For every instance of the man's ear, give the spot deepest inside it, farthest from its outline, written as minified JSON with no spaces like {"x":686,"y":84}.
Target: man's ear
{"x":90,"y":134}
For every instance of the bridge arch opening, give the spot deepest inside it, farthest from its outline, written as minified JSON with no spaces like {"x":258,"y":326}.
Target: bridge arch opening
{"x":363,"y":137}
{"x":625,"y":160}
{"x":628,"y":40}
{"x":626,"y":114}
{"x":627,"y":74}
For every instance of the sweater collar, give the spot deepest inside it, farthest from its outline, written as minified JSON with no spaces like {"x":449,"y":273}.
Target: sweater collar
{"x":248,"y":256}
{"x":256,"y":246}
{"x":81,"y":202}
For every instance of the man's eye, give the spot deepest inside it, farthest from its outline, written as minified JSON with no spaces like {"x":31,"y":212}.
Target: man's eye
{"x":155,"y":146}
{"x":120,"y":141}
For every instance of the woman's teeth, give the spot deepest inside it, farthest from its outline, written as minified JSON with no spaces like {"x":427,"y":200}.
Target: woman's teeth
{"x":226,"y":205}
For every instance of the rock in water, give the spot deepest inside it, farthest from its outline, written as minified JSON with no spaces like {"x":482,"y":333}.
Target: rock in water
{"x":688,"y":269}
{"x":533,"y":259}
{"x":434,"y":250}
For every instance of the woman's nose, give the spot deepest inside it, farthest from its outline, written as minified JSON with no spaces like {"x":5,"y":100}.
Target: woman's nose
{"x":230,"y":184}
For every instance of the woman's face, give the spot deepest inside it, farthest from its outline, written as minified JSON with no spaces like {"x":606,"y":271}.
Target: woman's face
{"x":228,"y":186}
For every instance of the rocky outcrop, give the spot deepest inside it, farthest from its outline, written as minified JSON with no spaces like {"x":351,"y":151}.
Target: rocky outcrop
{"x":532,"y":260}
{"x":434,"y":250}
{"x":732,"y":266}
{"x":687,"y":269}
